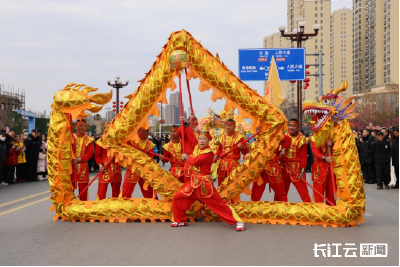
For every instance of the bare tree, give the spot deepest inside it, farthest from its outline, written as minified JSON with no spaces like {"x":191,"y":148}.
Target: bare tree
{"x":7,"y":118}
{"x":289,"y":109}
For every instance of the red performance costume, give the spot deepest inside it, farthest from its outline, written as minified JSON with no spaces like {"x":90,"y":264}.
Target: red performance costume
{"x":190,"y":142}
{"x":296,"y":159}
{"x":274,"y":176}
{"x":110,"y":174}
{"x":131,"y":179}
{"x":83,"y":150}
{"x":231,"y":161}
{"x":173,"y":151}
{"x":321,"y":174}
{"x":201,"y":187}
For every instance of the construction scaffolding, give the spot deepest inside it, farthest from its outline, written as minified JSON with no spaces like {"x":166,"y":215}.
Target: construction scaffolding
{"x":12,"y":98}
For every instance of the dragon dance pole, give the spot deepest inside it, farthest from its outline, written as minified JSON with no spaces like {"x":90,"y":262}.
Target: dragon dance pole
{"x":315,"y":190}
{"x":332,"y":174}
{"x":157,"y":155}
{"x":183,"y":127}
{"x":94,"y":178}
{"x":190,"y":95}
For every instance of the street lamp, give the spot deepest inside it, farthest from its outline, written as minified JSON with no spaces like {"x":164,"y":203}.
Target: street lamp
{"x":117,"y":85}
{"x":299,"y":36}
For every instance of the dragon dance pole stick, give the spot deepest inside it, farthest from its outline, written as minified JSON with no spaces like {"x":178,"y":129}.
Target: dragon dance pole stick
{"x":190,"y":95}
{"x":315,"y":190}
{"x":94,"y":178}
{"x":157,"y":155}
{"x":235,"y":146}
{"x":183,"y":127}
{"x":332,"y":174}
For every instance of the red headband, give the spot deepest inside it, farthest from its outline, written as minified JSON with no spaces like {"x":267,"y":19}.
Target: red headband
{"x":78,"y":122}
{"x":294,"y":122}
{"x":173,"y":127}
{"x":231,"y":122}
{"x":206,"y":135}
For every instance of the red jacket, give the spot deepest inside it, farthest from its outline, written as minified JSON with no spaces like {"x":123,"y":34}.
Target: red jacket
{"x":111,"y":173}
{"x":12,"y":157}
{"x":235,"y":154}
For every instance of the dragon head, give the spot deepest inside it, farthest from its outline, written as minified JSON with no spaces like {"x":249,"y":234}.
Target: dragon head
{"x":330,"y":108}
{"x":71,"y":100}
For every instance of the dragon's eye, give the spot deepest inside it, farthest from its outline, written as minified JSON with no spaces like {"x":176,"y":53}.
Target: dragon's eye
{"x":326,"y":101}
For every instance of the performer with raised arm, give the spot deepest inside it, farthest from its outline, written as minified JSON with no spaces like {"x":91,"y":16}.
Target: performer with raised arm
{"x":296,"y":159}
{"x":200,"y":187}
{"x":227,"y":142}
{"x":189,"y":140}
{"x":273,"y":174}
{"x":321,"y":173}
{"x":83,"y":151}
{"x":131,"y":179}
{"x":110,"y":173}
{"x":173,"y":151}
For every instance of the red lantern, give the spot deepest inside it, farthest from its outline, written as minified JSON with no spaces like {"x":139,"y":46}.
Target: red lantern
{"x":307,"y":66}
{"x":114,"y":110}
{"x":307,"y":72}
{"x":307,"y":80}
{"x":307,"y":84}
{"x":114,"y":106}
{"x":121,"y":106}
{"x":114,"y":102}
{"x":122,"y":102}
{"x":305,"y":87}
{"x":292,"y":81}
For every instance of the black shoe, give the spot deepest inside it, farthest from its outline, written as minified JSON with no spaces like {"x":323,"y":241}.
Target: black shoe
{"x":371,"y":182}
{"x":387,"y":186}
{"x":395,"y":187}
{"x":379,"y":187}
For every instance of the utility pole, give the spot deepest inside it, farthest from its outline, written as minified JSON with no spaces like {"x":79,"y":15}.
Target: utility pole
{"x":117,"y":85}
{"x":319,"y":73}
{"x":299,"y":36}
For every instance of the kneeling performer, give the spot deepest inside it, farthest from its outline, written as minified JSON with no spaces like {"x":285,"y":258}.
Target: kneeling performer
{"x":201,"y":187}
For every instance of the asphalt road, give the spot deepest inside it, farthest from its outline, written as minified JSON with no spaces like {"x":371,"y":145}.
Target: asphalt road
{"x":29,"y":236}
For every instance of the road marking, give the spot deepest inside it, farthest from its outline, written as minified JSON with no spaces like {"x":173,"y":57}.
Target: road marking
{"x":369,"y":214}
{"x":23,"y":206}
{"x":24,"y":198}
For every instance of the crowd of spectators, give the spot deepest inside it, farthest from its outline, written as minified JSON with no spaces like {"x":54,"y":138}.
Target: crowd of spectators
{"x":22,"y":157}
{"x":378,"y":149}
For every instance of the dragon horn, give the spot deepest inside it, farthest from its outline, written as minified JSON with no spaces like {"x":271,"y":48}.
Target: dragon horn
{"x":342,"y":88}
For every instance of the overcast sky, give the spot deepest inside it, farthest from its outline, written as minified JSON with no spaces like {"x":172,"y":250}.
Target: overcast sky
{"x":48,"y":44}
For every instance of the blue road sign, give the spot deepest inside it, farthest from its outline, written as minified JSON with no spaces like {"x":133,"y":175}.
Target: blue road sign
{"x":254,"y":63}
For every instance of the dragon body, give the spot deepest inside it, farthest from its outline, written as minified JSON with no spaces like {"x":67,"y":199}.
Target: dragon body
{"x":71,"y":103}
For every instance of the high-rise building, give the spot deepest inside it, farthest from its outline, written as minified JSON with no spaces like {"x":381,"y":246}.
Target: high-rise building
{"x":359,"y":43}
{"x":391,"y":42}
{"x":375,"y":43}
{"x":380,"y":26}
{"x":173,"y":110}
{"x":313,"y":12}
{"x":341,"y":52}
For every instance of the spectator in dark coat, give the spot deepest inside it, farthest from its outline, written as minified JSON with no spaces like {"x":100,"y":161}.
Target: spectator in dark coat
{"x":366,"y":157}
{"x":395,"y":155}
{"x":32,"y":145}
{"x":386,"y":134}
{"x":373,"y":134}
{"x":3,"y":156}
{"x":381,"y":151}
